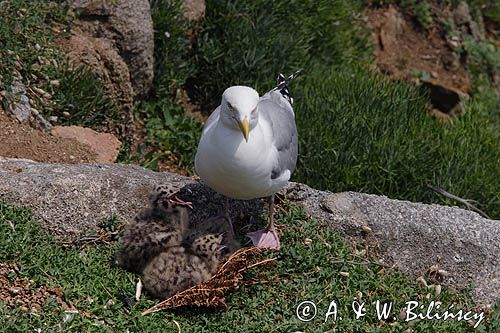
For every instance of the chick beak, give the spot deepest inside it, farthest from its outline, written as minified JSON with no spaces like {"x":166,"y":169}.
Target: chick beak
{"x":245,"y":128}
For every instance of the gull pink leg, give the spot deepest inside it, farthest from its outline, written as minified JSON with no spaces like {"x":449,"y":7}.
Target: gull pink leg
{"x":267,"y":238}
{"x":227,"y":217}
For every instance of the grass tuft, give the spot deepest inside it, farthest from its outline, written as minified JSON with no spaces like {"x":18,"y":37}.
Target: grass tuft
{"x":423,"y":14}
{"x":82,"y":97}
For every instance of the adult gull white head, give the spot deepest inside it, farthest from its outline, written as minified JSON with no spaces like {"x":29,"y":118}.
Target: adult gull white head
{"x":248,"y":148}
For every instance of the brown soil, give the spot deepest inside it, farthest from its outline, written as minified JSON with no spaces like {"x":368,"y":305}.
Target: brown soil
{"x":22,"y":141}
{"x":168,"y":165}
{"x":16,"y":291}
{"x":402,"y":48}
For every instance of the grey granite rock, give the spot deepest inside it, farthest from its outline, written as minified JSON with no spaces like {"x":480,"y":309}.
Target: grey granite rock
{"x":127,"y":27}
{"x":21,"y":107}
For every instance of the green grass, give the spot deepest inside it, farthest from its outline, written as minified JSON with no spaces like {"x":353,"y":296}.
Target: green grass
{"x":89,"y":281}
{"x":173,"y":64}
{"x":84,"y":99}
{"x":169,"y":133}
{"x":359,"y":131}
{"x":248,"y":43}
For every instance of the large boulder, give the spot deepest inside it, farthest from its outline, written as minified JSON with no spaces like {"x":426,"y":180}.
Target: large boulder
{"x":124,"y":27}
{"x":68,"y":200}
{"x":419,"y":239}
{"x":99,"y":55}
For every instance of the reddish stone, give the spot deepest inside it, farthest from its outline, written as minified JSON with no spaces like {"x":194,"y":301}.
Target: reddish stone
{"x":105,"y":145}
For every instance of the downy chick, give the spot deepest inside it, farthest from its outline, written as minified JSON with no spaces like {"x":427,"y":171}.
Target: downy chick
{"x":214,"y":225}
{"x":162,"y":225}
{"x":178,"y":268}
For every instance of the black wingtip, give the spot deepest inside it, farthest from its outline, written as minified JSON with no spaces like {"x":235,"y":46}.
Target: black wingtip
{"x":282,"y":85}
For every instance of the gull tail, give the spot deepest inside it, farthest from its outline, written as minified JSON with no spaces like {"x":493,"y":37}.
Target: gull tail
{"x":282,"y":85}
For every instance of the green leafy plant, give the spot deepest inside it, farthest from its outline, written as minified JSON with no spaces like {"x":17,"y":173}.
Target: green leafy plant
{"x":171,"y":133}
{"x":423,"y":14}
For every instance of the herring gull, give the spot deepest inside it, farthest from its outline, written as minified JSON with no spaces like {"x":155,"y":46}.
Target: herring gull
{"x":248,"y":149}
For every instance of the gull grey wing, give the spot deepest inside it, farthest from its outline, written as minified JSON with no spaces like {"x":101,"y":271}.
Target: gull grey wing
{"x":279,"y":113}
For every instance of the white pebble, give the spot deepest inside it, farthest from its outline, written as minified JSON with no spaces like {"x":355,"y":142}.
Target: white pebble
{"x":366,"y":229}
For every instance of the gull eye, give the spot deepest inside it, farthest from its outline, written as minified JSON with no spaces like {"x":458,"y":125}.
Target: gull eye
{"x":229,"y":106}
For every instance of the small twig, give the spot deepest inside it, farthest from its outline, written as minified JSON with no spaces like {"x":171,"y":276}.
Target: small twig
{"x":281,"y":209}
{"x":177,"y":324}
{"x":324,"y":241}
{"x":247,"y":18}
{"x":86,"y":240}
{"x":97,"y":239}
{"x":256,"y":264}
{"x":466,"y":202}
{"x":363,"y":262}
{"x":11,"y":225}
{"x":106,"y":289}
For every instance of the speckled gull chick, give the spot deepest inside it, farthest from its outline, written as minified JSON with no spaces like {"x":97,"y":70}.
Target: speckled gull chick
{"x":248,"y":149}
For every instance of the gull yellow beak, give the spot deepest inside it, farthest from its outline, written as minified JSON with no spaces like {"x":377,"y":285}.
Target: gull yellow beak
{"x":245,"y":128}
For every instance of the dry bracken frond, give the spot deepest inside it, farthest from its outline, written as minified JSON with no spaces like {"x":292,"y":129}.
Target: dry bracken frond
{"x":211,"y":294}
